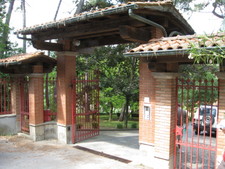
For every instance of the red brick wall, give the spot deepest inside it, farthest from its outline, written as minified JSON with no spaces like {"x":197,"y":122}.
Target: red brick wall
{"x":165,"y":107}
{"x":220,"y":134}
{"x":66,"y":67}
{"x":36,"y":99}
{"x":146,"y":89}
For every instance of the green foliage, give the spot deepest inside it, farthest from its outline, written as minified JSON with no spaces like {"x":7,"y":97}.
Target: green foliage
{"x":133,"y":125}
{"x":7,"y":48}
{"x":201,"y":54}
{"x":93,"y":4}
{"x":119,"y":126}
{"x":118,"y":75}
{"x":197,"y":75}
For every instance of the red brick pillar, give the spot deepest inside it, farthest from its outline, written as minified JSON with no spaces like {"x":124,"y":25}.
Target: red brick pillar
{"x":220,"y":134}
{"x":36,"y":104}
{"x":66,"y":68}
{"x":165,"y":108}
{"x":15,"y":99}
{"x":146,"y":119}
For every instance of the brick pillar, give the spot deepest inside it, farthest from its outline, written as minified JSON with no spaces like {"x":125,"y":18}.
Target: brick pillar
{"x":15,"y":99}
{"x":146,"y":124}
{"x":36,"y":104}
{"x":66,"y":68}
{"x":220,"y":135}
{"x":165,"y":108}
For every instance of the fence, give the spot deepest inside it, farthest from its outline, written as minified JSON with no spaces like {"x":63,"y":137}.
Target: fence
{"x":5,"y":96}
{"x":50,"y":99}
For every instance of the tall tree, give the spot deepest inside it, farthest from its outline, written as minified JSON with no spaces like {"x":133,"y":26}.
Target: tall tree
{"x":23,"y":8}
{"x":217,"y":6}
{"x":6,"y":30}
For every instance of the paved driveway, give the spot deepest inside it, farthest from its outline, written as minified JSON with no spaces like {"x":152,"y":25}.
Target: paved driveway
{"x":20,"y":152}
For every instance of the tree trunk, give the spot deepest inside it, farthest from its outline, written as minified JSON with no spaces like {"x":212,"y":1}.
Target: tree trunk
{"x":79,"y":7}
{"x":121,"y":118}
{"x":23,"y":6}
{"x":126,"y":112}
{"x":5,"y":34}
{"x":111,"y":111}
{"x":57,"y":10}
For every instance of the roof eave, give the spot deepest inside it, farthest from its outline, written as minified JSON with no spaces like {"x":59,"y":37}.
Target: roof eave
{"x":80,"y":18}
{"x":176,"y":52}
{"x":167,"y":7}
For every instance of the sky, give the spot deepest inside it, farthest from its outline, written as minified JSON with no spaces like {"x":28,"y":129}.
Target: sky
{"x":41,"y":11}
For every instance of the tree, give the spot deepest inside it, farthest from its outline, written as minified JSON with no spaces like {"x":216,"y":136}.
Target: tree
{"x":7,"y":48}
{"x":218,"y":6}
{"x":119,"y":75}
{"x":23,"y":8}
{"x":6,"y":30}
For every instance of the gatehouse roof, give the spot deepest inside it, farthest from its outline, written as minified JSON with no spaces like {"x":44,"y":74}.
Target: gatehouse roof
{"x":178,"y":45}
{"x":112,"y":25}
{"x":22,"y":63}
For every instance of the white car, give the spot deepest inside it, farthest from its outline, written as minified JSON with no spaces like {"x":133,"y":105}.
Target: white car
{"x":205,"y":119}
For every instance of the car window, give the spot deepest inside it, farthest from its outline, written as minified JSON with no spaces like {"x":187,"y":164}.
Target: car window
{"x":207,"y":111}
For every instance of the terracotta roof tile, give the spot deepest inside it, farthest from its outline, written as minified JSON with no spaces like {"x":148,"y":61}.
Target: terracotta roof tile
{"x":181,"y":42}
{"x":92,"y":14}
{"x":23,"y":57}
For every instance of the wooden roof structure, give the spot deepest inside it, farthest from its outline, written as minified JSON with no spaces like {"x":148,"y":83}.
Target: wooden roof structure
{"x":124,"y":23}
{"x":22,"y":63}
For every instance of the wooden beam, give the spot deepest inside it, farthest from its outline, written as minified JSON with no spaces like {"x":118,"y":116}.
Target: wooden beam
{"x":85,"y":29}
{"x":47,"y":46}
{"x":141,"y":35}
{"x":172,"y":67}
{"x":100,"y":41}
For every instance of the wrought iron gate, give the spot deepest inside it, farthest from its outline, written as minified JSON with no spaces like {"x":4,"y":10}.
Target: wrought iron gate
{"x":24,"y":91}
{"x":5,"y":96}
{"x":85,"y":108}
{"x":196,"y":120}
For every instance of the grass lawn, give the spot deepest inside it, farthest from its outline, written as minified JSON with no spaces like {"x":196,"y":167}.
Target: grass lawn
{"x":115,"y":124}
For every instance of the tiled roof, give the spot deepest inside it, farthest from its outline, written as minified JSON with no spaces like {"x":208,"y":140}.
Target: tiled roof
{"x":26,"y":57}
{"x":180,"y":43}
{"x":115,"y":9}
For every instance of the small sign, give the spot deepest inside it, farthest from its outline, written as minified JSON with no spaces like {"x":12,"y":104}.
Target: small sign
{"x":146,"y":99}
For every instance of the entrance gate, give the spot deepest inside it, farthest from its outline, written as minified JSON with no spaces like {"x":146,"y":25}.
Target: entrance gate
{"x":197,"y":112}
{"x":85,"y":109}
{"x":24,"y":98}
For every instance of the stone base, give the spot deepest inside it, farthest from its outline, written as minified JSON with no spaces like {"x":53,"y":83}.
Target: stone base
{"x":43,"y":131}
{"x":64,"y":134}
{"x":18,"y":123}
{"x":37,"y":132}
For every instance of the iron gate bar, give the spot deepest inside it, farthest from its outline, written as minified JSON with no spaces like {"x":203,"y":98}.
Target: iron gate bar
{"x":85,"y":107}
{"x":5,"y":96}
{"x":196,"y":150}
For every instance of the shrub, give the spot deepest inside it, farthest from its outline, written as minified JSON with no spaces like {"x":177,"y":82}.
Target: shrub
{"x":134,"y":125}
{"x":119,"y":126}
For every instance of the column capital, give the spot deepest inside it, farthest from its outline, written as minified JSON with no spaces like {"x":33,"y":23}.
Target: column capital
{"x":164,"y":75}
{"x":220,"y":75}
{"x":66,"y":53}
